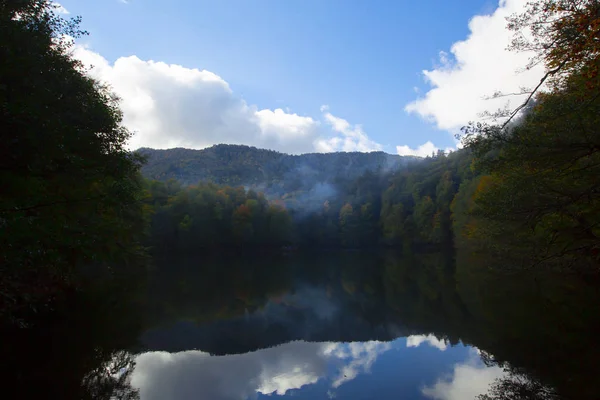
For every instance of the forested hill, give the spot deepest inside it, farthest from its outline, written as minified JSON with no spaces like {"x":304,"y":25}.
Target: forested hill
{"x":244,"y":165}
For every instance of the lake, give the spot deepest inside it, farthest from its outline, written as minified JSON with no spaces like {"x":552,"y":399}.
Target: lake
{"x":347,"y":325}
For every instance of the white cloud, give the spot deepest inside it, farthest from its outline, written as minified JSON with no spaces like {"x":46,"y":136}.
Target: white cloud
{"x":424,"y":150}
{"x":295,"y":378}
{"x":361,"y":356}
{"x":417,"y":340}
{"x":467,"y":381}
{"x":60,"y":9}
{"x":169,"y":105}
{"x":478,"y":67}
{"x":198,"y":375}
{"x":352,"y":138}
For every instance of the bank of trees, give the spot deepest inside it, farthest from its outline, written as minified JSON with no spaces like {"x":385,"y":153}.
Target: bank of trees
{"x":412,"y":207}
{"x":526,"y":186}
{"x":538,"y":196}
{"x":70,"y":189}
{"x":210,"y":215}
{"x":72,"y":195}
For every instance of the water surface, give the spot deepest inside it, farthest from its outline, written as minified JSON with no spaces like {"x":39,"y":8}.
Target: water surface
{"x":329,"y":325}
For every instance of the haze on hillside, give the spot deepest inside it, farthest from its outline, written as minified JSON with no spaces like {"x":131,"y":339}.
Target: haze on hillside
{"x":310,"y":200}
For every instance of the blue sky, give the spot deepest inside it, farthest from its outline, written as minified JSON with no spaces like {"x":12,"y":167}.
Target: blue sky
{"x":362,"y":59}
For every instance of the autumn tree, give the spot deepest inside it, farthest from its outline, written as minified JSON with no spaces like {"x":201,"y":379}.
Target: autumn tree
{"x":541,"y":196}
{"x":209,"y":215}
{"x":544,"y":181}
{"x":564,"y":35}
{"x":242,"y":224}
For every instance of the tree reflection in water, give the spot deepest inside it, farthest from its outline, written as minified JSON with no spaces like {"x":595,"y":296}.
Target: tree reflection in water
{"x":540,"y":330}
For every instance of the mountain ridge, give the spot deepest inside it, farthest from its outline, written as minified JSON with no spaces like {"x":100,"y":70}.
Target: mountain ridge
{"x":268,"y":170}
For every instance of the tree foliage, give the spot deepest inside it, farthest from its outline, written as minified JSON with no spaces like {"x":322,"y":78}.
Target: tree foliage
{"x":70,"y":188}
{"x":540,"y":197}
{"x":210,"y":215}
{"x":564,"y":35}
{"x":397,"y":209}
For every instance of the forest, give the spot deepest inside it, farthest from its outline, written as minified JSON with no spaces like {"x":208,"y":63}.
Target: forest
{"x":81,"y":214}
{"x":75,"y":200}
{"x":407,"y":205}
{"x":272,"y":171}
{"x":524,"y":185}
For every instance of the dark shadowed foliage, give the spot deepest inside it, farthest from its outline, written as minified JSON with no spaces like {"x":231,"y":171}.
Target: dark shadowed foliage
{"x":70,"y":189}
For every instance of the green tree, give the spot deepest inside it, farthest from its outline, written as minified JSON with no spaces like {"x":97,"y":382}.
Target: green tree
{"x":543,"y":196}
{"x":563,"y":34}
{"x":461,"y":209}
{"x":71,"y":194}
{"x":423,"y":214}
{"x":242,"y":224}
{"x":445,"y":190}
{"x":279,"y":226}
{"x":367,"y":225}
{"x":393,"y":225}
{"x":348,"y":226}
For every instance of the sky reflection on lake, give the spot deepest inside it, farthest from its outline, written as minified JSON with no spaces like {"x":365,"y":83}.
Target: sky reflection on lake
{"x":416,"y":367}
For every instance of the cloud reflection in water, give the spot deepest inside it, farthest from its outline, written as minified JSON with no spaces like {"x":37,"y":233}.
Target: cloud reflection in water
{"x":198,"y":375}
{"x":417,"y":340}
{"x":467,"y":380}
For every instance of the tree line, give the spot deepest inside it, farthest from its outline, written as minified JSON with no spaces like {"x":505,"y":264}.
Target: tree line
{"x":73,"y":201}
{"x":75,"y":212}
{"x":525,"y":185}
{"x":71,"y":191}
{"x":411,"y":207}
{"x":538,"y":195}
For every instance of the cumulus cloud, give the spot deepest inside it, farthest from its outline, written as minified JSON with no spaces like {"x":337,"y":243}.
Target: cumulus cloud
{"x":361,"y":357}
{"x":424,"y":150}
{"x":467,"y":381}
{"x":169,"y":105}
{"x":60,"y":9}
{"x":476,"y":67}
{"x":352,"y":138}
{"x":417,"y":340}
{"x":198,"y":375}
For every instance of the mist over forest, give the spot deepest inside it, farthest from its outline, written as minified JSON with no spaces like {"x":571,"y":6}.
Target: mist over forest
{"x":89,"y":228}
{"x":324,"y":200}
{"x":524,"y":186}
{"x":265,"y":170}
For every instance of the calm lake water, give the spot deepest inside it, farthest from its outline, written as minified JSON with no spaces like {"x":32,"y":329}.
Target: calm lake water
{"x":330,"y":325}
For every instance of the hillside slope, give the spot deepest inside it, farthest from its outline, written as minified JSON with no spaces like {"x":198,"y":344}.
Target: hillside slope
{"x":267,"y":170}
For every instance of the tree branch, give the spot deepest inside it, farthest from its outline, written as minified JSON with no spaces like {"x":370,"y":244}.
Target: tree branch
{"x":544,"y":78}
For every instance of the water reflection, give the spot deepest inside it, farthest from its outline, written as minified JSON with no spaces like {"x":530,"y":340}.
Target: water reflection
{"x":302,"y":299}
{"x":349,"y":325}
{"x":432,"y":340}
{"x":414,"y":310}
{"x":317,"y":326}
{"x":81,"y":349}
{"x":467,"y":380}
{"x":198,"y":375}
